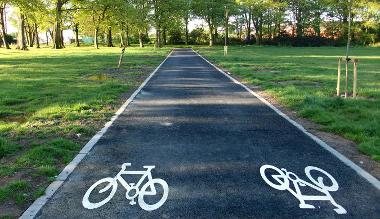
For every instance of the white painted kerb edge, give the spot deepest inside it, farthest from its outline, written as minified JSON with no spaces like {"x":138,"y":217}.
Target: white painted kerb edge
{"x":32,"y":211}
{"x":371,"y":179}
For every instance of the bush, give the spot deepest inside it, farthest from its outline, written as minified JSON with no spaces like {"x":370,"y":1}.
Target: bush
{"x":234,"y":41}
{"x":285,"y":39}
{"x":250,"y":41}
{"x":9,"y":38}
{"x":134,"y":39}
{"x":198,"y":36}
{"x":175,"y":37}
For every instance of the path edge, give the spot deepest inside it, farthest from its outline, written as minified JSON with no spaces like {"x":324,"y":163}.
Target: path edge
{"x":37,"y":205}
{"x":361,"y":172}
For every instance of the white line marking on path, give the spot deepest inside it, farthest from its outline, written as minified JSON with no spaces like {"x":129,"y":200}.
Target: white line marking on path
{"x":371,"y":179}
{"x":33,"y":210}
{"x":282,"y":178}
{"x":133,"y":190}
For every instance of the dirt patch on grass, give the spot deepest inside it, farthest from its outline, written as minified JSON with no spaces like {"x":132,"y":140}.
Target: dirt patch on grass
{"x":14,"y":118}
{"x":137,"y":73}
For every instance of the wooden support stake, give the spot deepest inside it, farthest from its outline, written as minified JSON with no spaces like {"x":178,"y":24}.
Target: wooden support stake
{"x":338,"y":81}
{"x":121,"y":58}
{"x":355,"y":77}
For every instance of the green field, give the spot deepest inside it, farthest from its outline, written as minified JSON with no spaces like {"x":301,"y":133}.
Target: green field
{"x":304,"y":80}
{"x":51,"y":103}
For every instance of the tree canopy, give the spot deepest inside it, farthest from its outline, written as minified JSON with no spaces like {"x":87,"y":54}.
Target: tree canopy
{"x":295,"y":22}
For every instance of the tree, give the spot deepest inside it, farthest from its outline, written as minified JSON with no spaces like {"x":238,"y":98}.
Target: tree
{"x":138,"y":19}
{"x":25,"y":8}
{"x":269,"y":20}
{"x":3,"y":4}
{"x":21,"y":41}
{"x":58,"y":37}
{"x":93,"y":14}
{"x":185,"y":14}
{"x":246,"y":11}
{"x":212,"y":11}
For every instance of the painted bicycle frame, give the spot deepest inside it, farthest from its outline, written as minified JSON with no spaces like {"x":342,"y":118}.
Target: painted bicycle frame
{"x":128,"y":187}
{"x":285,"y":177}
{"x":133,"y":190}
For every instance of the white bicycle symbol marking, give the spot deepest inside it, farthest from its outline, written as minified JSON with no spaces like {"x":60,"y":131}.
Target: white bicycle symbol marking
{"x":132,"y":190}
{"x":281,"y":182}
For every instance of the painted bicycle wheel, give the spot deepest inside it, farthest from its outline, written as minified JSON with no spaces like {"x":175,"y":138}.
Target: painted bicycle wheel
{"x":277,"y":180}
{"x":164,"y":192}
{"x":331,"y":185}
{"x":111,"y":184}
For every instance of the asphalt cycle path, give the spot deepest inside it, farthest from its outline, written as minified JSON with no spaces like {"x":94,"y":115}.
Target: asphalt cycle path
{"x":218,"y":152}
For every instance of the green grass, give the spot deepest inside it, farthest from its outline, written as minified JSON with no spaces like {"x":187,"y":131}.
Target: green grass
{"x":15,"y":190}
{"x":52,"y":102}
{"x":304,"y":79}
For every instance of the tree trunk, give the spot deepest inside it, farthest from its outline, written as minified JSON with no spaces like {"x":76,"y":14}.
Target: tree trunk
{"x":122,"y":40}
{"x":158,"y":38}
{"x":186,"y":30}
{"x":157,"y":23}
{"x":2,"y":24}
{"x":62,"y":39}
{"x":249,"y":31}
{"x":299,"y":30}
{"x":258,"y":23}
{"x":96,"y":44}
{"x":76,"y":30}
{"x":215,"y":34}
{"x":299,"y":25}
{"x":247,"y":18}
{"x":21,"y":44}
{"x":26,"y":33}
{"x":51,"y":33}
{"x":226,"y":30}
{"x":47,"y":38}
{"x":57,"y":39}
{"x":109,"y":37}
{"x":36,"y":35}
{"x":278,"y":28}
{"x":261,"y":31}
{"x":317,"y":23}
{"x":344,"y":25}
{"x":240,"y":28}
{"x":127,"y":37}
{"x":164,"y":36}
{"x":141,"y":39}
{"x":32,"y":30}
{"x":211,"y":30}
{"x":30,"y":35}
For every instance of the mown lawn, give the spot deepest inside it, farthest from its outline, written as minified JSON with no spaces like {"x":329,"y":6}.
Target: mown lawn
{"x":304,"y":79}
{"x":51,"y":103}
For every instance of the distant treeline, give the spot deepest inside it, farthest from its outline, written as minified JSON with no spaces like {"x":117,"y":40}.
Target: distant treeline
{"x":160,"y":22}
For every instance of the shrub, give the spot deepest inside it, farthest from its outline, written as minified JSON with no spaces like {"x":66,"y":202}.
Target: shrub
{"x":198,"y":36}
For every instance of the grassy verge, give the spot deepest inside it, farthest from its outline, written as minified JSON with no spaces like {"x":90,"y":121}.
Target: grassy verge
{"x":304,"y":79}
{"x":51,"y":103}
